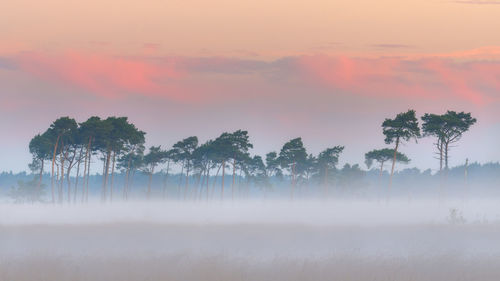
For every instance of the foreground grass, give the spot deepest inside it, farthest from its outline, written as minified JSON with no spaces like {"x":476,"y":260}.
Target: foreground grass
{"x":221,"y":268}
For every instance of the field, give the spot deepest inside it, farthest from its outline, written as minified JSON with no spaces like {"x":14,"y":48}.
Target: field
{"x":272,"y":240}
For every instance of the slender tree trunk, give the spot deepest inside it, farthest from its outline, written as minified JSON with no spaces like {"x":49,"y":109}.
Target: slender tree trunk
{"x":293,"y":181}
{"x":41,"y":175}
{"x":381,"y":169}
{"x":440,"y":156}
{"x":88,"y":177}
{"x":165,"y":183}
{"x":77,"y":177}
{"x":68,"y":178}
{"x":222,"y":184}
{"x":393,"y":163}
{"x":112,"y":177}
{"x":150,"y":180}
{"x":106,"y":173}
{"x":446,"y":157}
{"x":234,"y":177}
{"x":181,"y":177}
{"x":53,"y":162}
{"x":61,"y":183}
{"x":186,"y":187}
{"x":84,"y":179}
{"x":126,"y":184}
{"x":131,"y":184}
{"x":214,"y":182}
{"x":208,"y":177}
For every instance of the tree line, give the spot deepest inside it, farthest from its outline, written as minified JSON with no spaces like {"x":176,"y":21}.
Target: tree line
{"x":70,"y":148}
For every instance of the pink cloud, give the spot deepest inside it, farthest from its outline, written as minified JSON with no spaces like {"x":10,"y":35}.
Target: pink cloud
{"x":430,"y":78}
{"x":459,"y":76}
{"x":106,"y":76}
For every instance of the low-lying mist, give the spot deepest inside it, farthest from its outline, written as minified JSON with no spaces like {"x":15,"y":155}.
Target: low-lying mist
{"x":254,"y":239}
{"x":354,"y":212}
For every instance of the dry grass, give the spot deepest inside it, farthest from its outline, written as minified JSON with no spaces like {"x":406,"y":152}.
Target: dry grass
{"x":219,"y":268}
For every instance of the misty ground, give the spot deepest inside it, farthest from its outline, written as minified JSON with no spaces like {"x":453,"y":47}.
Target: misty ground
{"x":253,"y":240}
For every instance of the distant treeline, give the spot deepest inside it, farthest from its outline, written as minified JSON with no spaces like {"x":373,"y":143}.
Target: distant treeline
{"x":70,"y":148}
{"x":349,"y":180}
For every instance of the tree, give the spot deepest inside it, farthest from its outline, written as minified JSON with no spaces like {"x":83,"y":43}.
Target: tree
{"x":273,"y":167}
{"x":184,"y":152}
{"x":131,"y":162}
{"x":402,"y":128}
{"x":41,"y":147}
{"x":327,"y":161}
{"x":382,"y":156}
{"x":240,"y":145}
{"x":292,"y":154}
{"x":255,"y":172}
{"x":59,"y":131}
{"x":308,"y":168}
{"x":448,"y":129}
{"x":433,"y":125}
{"x":204,"y":160}
{"x":88,"y":131}
{"x":223,"y":151}
{"x":155,"y":156}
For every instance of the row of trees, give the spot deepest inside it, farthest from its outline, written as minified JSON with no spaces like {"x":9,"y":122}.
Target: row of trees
{"x":119,"y":145}
{"x":446,"y":128}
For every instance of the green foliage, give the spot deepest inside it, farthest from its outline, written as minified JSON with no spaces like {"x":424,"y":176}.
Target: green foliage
{"x":291,"y":154}
{"x":41,"y":146}
{"x":383,"y":155}
{"x":403,"y":127}
{"x":446,"y":128}
{"x":273,"y":167}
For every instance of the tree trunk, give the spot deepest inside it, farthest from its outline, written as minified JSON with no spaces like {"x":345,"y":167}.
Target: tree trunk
{"x":440,"y":156}
{"x":165,"y":182}
{"x":215,"y":181}
{"x":61,"y":183}
{"x":112,"y":177}
{"x":41,"y":175}
{"x":381,"y":169}
{"x":234,"y":177}
{"x":68,"y":178}
{"x":85,"y":169}
{"x":88,"y":177}
{"x":186,"y":187}
{"x":222,"y":184}
{"x":149,"y":182}
{"x":446,"y":157}
{"x":393,"y":163}
{"x":105,"y":180}
{"x":293,"y":181}
{"x":127,"y":178}
{"x":77,"y":176}
{"x":53,"y":162}
{"x":208,"y":177}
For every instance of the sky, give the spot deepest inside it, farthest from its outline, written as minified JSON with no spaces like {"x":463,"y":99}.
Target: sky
{"x":327,"y":71}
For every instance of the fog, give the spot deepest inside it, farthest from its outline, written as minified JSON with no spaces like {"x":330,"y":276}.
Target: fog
{"x":351,"y":212}
{"x":394,"y":239}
